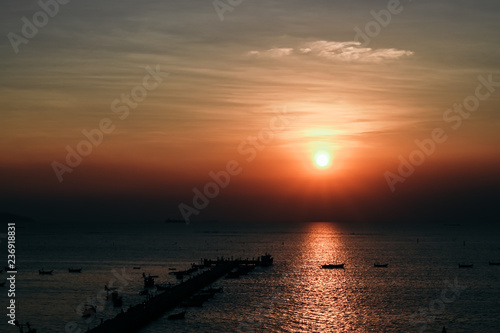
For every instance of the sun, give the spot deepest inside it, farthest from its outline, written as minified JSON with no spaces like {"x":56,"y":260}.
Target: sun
{"x":322,"y":159}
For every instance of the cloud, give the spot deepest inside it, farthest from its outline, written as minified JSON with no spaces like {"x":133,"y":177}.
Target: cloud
{"x":338,"y":51}
{"x":273,"y":53}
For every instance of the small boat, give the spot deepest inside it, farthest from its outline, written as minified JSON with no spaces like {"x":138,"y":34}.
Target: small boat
{"x":89,"y":311}
{"x":465,"y":265}
{"x":117,"y":302}
{"x":21,"y":327}
{"x":109,"y":288}
{"x":494,"y":263}
{"x":177,"y":316}
{"x":266,"y":260}
{"x":136,"y":267}
{"x":333,"y":266}
{"x":162,"y":287}
{"x":172,"y":269}
{"x":149,"y":281}
{"x":213,"y":290}
{"x":42,"y":272}
{"x":233,"y":275}
{"x":380,"y":265}
{"x":192,"y":303}
{"x":74,"y":270}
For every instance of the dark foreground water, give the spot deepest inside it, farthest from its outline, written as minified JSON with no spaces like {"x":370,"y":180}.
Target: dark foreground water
{"x":422,"y":290}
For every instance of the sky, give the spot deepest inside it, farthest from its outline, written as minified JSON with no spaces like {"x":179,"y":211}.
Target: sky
{"x":174,"y":91}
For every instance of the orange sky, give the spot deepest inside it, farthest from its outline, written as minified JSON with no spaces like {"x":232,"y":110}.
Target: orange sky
{"x":227,"y":82}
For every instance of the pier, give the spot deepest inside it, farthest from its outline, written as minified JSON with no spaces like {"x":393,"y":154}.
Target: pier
{"x":140,"y":315}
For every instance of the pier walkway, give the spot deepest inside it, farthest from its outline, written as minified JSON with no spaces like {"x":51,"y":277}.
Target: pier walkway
{"x":140,"y":315}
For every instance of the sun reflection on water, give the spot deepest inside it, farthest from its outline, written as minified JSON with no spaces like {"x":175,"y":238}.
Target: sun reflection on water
{"x":321,"y":302}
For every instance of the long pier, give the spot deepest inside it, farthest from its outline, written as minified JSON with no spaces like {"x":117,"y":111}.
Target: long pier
{"x":140,"y":315}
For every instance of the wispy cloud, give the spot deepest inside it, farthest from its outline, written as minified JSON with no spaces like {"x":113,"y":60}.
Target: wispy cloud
{"x":273,"y":53}
{"x":337,"y":51}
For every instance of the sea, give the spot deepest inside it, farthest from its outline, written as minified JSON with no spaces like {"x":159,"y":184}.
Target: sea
{"x":422,"y":289}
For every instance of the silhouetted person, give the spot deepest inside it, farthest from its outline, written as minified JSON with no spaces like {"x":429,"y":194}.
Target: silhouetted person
{"x":444,"y":330}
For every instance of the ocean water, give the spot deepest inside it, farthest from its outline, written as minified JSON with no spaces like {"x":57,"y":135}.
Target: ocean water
{"x":422,"y":290}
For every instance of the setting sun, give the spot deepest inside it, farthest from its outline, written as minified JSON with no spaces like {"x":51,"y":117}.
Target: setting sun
{"x":322,"y":159}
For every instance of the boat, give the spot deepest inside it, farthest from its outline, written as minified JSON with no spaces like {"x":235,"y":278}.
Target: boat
{"x":149,"y":281}
{"x":136,"y":267}
{"x":192,"y":303}
{"x":177,"y":316}
{"x":465,"y":265}
{"x":172,"y":268}
{"x":380,"y":265}
{"x":332,"y":266}
{"x":89,"y":311}
{"x":213,"y":290}
{"x":169,"y":220}
{"x":233,"y":275}
{"x":162,"y":287}
{"x":266,"y":260}
{"x":42,"y":272}
{"x":492,"y":263}
{"x":75,"y":270}
{"x":117,"y":302}
{"x":109,"y":288}
{"x":21,"y":327}
{"x":201,"y":297}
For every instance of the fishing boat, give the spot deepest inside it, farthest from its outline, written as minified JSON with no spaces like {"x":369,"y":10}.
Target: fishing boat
{"x":89,"y":311}
{"x":177,"y":316}
{"x":42,"y":272}
{"x":117,"y":302}
{"x":233,"y":275}
{"x":465,"y":265}
{"x":266,"y":260}
{"x":162,"y":287}
{"x":21,"y":327}
{"x":333,"y":266}
{"x":74,"y":270}
{"x":492,"y":263}
{"x":192,"y":303}
{"x":213,"y":290}
{"x":149,"y":281}
{"x":380,"y":265}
